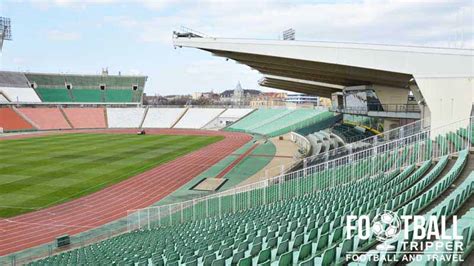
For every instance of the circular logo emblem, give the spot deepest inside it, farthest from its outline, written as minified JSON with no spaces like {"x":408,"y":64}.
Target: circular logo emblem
{"x":386,"y":225}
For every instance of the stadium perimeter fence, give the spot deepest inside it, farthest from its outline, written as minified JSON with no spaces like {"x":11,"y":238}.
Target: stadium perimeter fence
{"x":368,"y":163}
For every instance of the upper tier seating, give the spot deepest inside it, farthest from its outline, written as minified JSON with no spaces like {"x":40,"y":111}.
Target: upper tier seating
{"x":198,"y":117}
{"x":13,"y":79}
{"x":290,"y":121}
{"x":46,"y":118}
{"x":118,"y":96}
{"x":86,"y":117}
{"x":447,"y":207}
{"x":54,"y":95}
{"x":17,"y":94}
{"x":88,"y":88}
{"x":11,"y":121}
{"x":162,"y":117}
{"x":125,"y":117}
{"x":85,"y":95}
{"x":88,"y":95}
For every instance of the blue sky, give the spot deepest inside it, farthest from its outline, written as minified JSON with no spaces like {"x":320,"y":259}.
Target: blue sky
{"x":134,"y":37}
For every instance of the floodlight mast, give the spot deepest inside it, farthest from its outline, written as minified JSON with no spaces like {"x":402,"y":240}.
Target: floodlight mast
{"x":5,"y":31}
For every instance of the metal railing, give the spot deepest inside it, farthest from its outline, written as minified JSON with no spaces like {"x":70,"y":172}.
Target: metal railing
{"x":368,"y":143}
{"x":402,"y":152}
{"x":396,"y":108}
{"x":415,"y":148}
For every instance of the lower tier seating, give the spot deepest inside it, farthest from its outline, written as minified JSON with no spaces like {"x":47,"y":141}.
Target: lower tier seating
{"x":11,"y":121}
{"x":86,"y":117}
{"x":162,"y":117}
{"x":198,"y":117}
{"x":125,"y":117}
{"x":45,"y":118}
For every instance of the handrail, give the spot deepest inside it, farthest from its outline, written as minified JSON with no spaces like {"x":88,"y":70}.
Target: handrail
{"x":419,"y":145}
{"x":397,"y":108}
{"x":390,"y":148}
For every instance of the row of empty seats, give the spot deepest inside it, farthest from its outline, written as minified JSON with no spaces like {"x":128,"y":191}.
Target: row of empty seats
{"x":274,"y":122}
{"x":162,"y":117}
{"x":48,"y":118}
{"x":88,"y":95}
{"x":12,"y":120}
{"x":351,"y":133}
{"x":198,"y":117}
{"x":12,"y":94}
{"x":228,"y":117}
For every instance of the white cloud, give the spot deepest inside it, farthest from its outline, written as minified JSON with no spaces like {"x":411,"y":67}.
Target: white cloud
{"x":58,"y":35}
{"x":394,"y":22}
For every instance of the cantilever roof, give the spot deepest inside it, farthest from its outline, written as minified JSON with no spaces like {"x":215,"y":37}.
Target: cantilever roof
{"x":321,"y":68}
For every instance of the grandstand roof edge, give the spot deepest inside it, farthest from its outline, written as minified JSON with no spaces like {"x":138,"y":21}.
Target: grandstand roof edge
{"x":183,"y":41}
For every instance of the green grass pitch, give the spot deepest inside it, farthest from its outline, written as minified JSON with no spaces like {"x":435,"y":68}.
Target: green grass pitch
{"x":39,"y":172}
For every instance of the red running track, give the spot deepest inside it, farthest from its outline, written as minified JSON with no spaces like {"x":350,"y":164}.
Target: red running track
{"x":111,"y":203}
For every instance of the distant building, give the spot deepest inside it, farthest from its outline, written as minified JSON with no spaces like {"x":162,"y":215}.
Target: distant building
{"x":238,"y":96}
{"x":269,"y":99}
{"x":299,"y":98}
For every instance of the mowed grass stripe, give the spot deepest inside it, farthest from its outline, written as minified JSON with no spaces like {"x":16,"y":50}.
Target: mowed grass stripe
{"x":54,"y":169}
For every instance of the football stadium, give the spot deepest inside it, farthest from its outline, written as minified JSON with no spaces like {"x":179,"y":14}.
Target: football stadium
{"x":91,"y":173}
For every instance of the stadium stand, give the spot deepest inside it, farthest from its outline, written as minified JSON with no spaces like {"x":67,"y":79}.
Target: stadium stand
{"x":297,"y":220}
{"x":46,"y":118}
{"x":446,"y":207}
{"x":3,"y":98}
{"x":236,"y":112}
{"x":17,"y":94}
{"x":13,"y":79}
{"x":162,"y":117}
{"x":11,"y":121}
{"x":465,"y":227}
{"x":54,"y":95}
{"x":245,"y":124}
{"x":274,"y":122}
{"x":228,"y":117}
{"x":324,"y":124}
{"x":351,"y":133}
{"x":118,"y":96}
{"x":198,"y":117}
{"x":286,"y":231}
{"x":88,"y":95}
{"x":86,"y":117}
{"x":88,"y":88}
{"x":125,"y":117}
